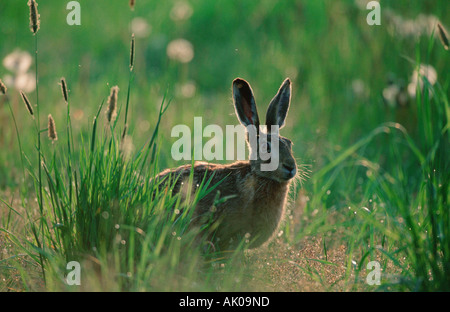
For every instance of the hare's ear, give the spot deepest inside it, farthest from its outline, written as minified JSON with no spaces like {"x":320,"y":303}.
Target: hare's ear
{"x":279,"y":106}
{"x":244,"y":103}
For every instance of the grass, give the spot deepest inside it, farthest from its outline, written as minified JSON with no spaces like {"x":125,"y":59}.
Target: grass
{"x":379,"y":173}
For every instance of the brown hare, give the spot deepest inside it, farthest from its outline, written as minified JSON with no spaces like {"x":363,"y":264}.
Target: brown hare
{"x":255,"y":199}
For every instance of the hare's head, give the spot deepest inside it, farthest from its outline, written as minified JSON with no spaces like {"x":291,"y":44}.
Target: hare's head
{"x":270,"y":154}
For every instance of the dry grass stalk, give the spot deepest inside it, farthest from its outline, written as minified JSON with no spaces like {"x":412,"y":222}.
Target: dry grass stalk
{"x":111,"y":113}
{"x":52,"y":129}
{"x":34,"y":16}
{"x":27,"y":103}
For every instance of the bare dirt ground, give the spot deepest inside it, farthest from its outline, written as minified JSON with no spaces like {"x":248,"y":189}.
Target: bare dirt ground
{"x":302,"y":267}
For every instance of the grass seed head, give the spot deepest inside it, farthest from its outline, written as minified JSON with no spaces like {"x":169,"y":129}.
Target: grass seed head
{"x":64,"y":89}
{"x":132,"y":52}
{"x":27,"y":103}
{"x":34,"y":16}
{"x":443,"y":36}
{"x":3,"y":88}
{"x":52,"y":129}
{"x":111,"y":113}
{"x":124,"y":133}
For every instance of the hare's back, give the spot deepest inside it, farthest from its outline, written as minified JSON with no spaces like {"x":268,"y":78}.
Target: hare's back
{"x":222,"y":178}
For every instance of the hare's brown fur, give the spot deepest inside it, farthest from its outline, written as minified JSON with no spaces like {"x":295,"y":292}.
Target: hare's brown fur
{"x":254,"y":207}
{"x":249,"y":202}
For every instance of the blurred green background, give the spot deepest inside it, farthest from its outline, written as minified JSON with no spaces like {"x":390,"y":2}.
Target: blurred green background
{"x":340,"y":66}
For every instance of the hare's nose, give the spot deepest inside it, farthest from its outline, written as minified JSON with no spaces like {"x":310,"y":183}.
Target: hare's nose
{"x":290,"y":170}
